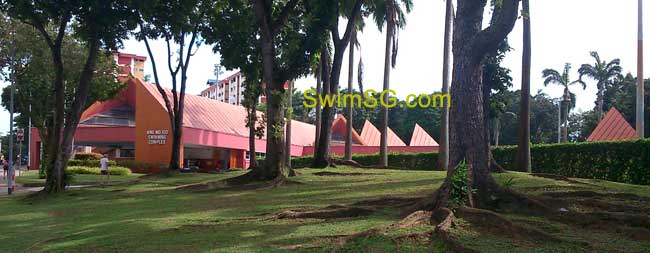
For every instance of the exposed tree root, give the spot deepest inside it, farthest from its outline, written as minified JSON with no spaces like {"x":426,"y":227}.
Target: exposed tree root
{"x":238,"y":184}
{"x":350,"y":163}
{"x":495,"y":167}
{"x":557,"y":177}
{"x":331,"y":212}
{"x":592,"y":194}
{"x":606,"y":219}
{"x":442,"y":230}
{"x":493,"y":221}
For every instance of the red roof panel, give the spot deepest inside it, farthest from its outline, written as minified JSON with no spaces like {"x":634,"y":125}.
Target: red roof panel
{"x":209,"y":114}
{"x":612,"y":127}
{"x":371,"y":136}
{"x":420,"y":138}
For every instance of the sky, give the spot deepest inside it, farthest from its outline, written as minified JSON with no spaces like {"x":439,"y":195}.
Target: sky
{"x":562,"y":32}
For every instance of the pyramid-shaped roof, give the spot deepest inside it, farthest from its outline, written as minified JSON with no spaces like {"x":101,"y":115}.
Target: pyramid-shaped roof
{"x":371,"y":136}
{"x":613,"y":127}
{"x":421,"y":138}
{"x":340,"y":128}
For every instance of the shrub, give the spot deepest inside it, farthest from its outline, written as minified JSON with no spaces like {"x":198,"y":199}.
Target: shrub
{"x":88,"y":163}
{"x":113,"y":170}
{"x":621,"y":161}
{"x":87,"y":156}
{"x":142,"y":167}
{"x":408,"y":161}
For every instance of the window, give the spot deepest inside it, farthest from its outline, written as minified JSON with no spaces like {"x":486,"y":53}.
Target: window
{"x":127,"y":153}
{"x":259,"y":155}
{"x":248,"y":155}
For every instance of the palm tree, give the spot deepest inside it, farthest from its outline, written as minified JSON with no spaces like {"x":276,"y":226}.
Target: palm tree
{"x":552,"y":76}
{"x":443,"y":154}
{"x":523,"y":149}
{"x":354,"y":43}
{"x":389,"y":13}
{"x":605,"y":73}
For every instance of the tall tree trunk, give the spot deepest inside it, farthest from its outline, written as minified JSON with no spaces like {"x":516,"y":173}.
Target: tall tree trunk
{"x":78,"y":105}
{"x":319,"y":92}
{"x":523,"y":149}
{"x":383,"y":144}
{"x":332,"y":79}
{"x":640,"y":86}
{"x":348,"y":132}
{"x":566,"y":103}
{"x":443,"y":154}
{"x":497,"y":130}
{"x":468,"y":140}
{"x":54,"y":182}
{"x":288,"y":125}
{"x":322,"y":154}
{"x":252,"y":116}
{"x":600,"y":100}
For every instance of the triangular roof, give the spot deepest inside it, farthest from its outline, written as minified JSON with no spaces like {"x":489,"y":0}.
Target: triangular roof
{"x":420,"y":138}
{"x":340,"y":126}
{"x":371,"y":136}
{"x":613,"y":127}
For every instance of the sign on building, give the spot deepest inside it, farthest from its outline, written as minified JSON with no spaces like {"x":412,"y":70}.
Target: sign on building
{"x":20,"y":134}
{"x":157,"y":137}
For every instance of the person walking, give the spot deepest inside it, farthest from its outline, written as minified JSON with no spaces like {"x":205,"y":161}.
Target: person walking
{"x":4,"y":166}
{"x":103,"y":169}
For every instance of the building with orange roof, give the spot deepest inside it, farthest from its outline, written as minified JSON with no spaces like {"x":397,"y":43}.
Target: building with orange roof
{"x":612,"y":127}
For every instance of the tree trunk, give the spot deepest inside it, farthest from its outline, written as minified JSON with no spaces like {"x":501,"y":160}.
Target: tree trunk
{"x":468,"y":140}
{"x":288,"y":125}
{"x":252,"y":116}
{"x":348,"y":132}
{"x":322,"y":154}
{"x":565,"y":121}
{"x":600,"y":99}
{"x":78,"y":105}
{"x":383,"y":144}
{"x":523,"y":149}
{"x":54,"y":182}
{"x":497,"y":131}
{"x":443,"y":154}
{"x":319,"y":92}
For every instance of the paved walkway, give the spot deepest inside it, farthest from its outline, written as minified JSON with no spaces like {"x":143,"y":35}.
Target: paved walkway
{"x":19,"y":188}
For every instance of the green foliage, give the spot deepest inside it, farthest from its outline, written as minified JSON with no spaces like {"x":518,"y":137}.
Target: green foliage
{"x":113,"y":170}
{"x":88,"y":156}
{"x":460,"y":186}
{"x":406,"y":161}
{"x":623,"y":161}
{"x":142,"y":167}
{"x":88,"y":163}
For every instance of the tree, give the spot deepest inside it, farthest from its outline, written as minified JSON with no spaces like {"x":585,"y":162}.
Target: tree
{"x":523,"y":149}
{"x":350,"y":9}
{"x":496,"y":80}
{"x":34,"y":72}
{"x":231,"y":47}
{"x":468,"y":140}
{"x":283,"y":37}
{"x":443,"y":154}
{"x":605,"y":73}
{"x":390,"y":14}
{"x":175,"y":23}
{"x":117,"y":20}
{"x":552,"y":76}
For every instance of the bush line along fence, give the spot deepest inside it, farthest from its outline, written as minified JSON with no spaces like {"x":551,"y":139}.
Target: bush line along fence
{"x":622,"y":161}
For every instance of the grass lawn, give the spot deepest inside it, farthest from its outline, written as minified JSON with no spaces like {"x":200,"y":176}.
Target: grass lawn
{"x":147,"y":214}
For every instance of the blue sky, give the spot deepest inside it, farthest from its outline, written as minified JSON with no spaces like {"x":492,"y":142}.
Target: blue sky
{"x":562,"y":31}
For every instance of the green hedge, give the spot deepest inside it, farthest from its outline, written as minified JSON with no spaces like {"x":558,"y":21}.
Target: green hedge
{"x":410,"y":161}
{"x":88,"y":156}
{"x":113,"y":170}
{"x":88,"y":163}
{"x":623,"y":161}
